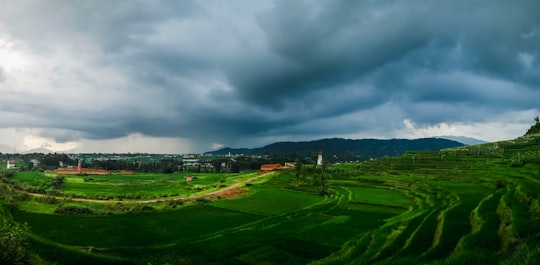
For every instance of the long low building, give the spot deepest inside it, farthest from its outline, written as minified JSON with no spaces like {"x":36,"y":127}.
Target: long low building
{"x":88,"y":171}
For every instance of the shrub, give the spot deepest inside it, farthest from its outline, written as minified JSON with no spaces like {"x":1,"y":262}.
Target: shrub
{"x":175,"y":203}
{"x":13,"y":243}
{"x":73,"y":210}
{"x":202,"y":200}
{"x":46,"y":199}
{"x":524,"y":255}
{"x":143,"y":209}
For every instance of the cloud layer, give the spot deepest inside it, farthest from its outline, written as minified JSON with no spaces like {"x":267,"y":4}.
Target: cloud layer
{"x":244,"y":73}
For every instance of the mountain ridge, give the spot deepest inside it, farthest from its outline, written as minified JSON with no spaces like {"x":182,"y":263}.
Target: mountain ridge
{"x":463,"y":139}
{"x":356,"y":149}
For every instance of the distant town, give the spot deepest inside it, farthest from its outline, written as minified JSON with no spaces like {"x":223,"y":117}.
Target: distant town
{"x":101,"y":163}
{"x":227,"y":160}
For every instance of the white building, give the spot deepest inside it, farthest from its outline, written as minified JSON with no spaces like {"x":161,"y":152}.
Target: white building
{"x":11,"y":164}
{"x":319,"y":159}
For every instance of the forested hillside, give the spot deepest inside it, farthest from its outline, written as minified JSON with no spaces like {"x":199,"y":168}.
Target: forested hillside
{"x":338,"y":149}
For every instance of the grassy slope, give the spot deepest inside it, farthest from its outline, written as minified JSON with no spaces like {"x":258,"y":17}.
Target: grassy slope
{"x":471,"y":205}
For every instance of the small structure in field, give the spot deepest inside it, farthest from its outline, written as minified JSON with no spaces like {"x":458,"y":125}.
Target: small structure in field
{"x":11,"y":164}
{"x":126,"y":172}
{"x":289,"y":164}
{"x":319,"y":159}
{"x":189,"y":178}
{"x":81,"y":170}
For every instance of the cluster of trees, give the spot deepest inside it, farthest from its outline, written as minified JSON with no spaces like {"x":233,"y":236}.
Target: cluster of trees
{"x":316,"y":175}
{"x":160,"y":166}
{"x":156,"y":163}
{"x":535,"y":129}
{"x":14,"y":243}
{"x":73,"y":210}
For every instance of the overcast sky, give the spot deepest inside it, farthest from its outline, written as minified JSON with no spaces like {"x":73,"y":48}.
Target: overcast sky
{"x":192,"y":76}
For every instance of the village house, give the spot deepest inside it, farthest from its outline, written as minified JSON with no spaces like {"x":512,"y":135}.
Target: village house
{"x":11,"y":164}
{"x":81,"y":170}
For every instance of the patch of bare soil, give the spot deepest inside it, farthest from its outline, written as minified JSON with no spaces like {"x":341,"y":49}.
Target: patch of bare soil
{"x":225,"y":194}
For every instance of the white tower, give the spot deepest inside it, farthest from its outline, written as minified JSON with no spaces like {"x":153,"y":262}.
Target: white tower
{"x":319,"y":159}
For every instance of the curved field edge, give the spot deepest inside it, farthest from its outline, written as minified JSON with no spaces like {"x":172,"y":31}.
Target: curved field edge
{"x":450,"y":207}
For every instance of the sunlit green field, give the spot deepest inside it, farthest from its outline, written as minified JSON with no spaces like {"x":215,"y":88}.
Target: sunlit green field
{"x":271,"y":202}
{"x":136,"y":186}
{"x":140,"y":230}
{"x":448,"y":207}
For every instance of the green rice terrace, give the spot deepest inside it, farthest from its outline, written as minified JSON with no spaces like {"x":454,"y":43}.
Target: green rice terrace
{"x":468,"y":205}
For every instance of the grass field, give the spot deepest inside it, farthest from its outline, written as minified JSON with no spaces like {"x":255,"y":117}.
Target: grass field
{"x":381,"y":196}
{"x":271,"y":202}
{"x":136,"y":186}
{"x":134,"y":230}
{"x":470,"y":205}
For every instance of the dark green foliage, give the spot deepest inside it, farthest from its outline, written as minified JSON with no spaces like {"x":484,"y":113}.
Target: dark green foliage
{"x":73,"y":210}
{"x":134,"y":229}
{"x":524,"y":255}
{"x":7,"y":173}
{"x":69,"y":256}
{"x":457,"y":206}
{"x":535,"y":129}
{"x":422,"y":239}
{"x":14,"y":244}
{"x":57,"y":182}
{"x":401,"y":240}
{"x":203,"y":200}
{"x":142,"y":209}
{"x":486,"y":238}
{"x":338,"y":149}
{"x":47,"y":199}
{"x":52,"y":161}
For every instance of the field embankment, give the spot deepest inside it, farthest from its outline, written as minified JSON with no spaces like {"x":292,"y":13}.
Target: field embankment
{"x":469,"y":205}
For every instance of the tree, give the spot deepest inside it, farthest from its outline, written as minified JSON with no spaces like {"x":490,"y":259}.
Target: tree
{"x":57,"y":182}
{"x":535,"y":129}
{"x":298,"y":168}
{"x":7,"y":173}
{"x":322,"y":179}
{"x":235,"y":167}
{"x":13,"y":243}
{"x":217,"y":166}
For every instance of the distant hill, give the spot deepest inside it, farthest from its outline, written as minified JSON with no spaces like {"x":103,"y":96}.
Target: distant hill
{"x":464,"y":140}
{"x":40,"y":150}
{"x":346,"y":149}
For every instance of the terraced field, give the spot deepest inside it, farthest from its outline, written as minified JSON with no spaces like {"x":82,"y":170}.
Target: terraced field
{"x":471,"y":205}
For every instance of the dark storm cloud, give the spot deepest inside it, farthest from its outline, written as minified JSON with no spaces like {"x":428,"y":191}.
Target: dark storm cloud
{"x":223,"y":70}
{"x":318,"y":47}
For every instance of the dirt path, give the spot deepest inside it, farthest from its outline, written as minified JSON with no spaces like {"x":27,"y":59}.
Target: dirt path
{"x":227,"y":192}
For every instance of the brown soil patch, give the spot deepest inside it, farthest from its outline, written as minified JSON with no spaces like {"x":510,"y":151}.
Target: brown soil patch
{"x":230,"y":193}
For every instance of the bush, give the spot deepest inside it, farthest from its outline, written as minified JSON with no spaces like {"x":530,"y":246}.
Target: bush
{"x":46,"y":199}
{"x":143,"y":209}
{"x":73,"y":210}
{"x":202,"y":200}
{"x":175,"y":203}
{"x":524,"y":255}
{"x":13,"y":243}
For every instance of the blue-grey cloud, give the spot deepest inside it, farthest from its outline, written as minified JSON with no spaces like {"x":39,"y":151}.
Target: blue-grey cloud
{"x":205,"y":70}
